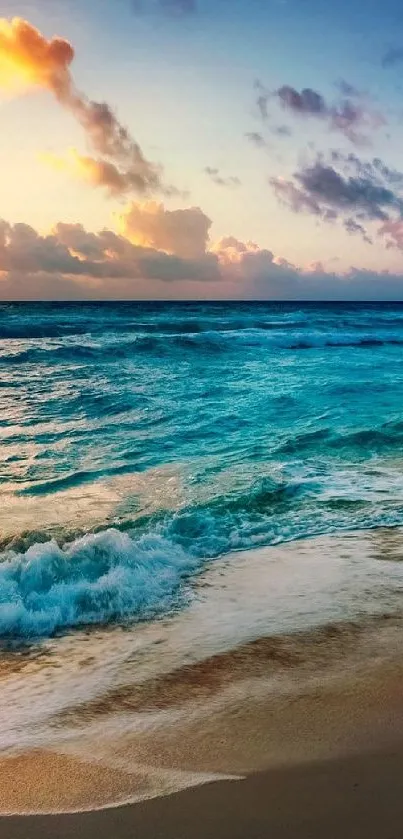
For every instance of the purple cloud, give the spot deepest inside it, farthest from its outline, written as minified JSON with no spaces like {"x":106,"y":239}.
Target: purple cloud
{"x":356,"y":192}
{"x":350,"y":116}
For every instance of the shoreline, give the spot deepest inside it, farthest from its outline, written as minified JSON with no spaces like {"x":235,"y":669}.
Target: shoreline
{"x":200,"y":712}
{"x":351,"y":796}
{"x":244,"y":730}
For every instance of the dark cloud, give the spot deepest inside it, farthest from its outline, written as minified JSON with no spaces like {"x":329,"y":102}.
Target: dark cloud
{"x":256,"y":139}
{"x":72,"y":252}
{"x":219,"y":180}
{"x":122,"y":167}
{"x":286,"y":283}
{"x":328,"y":186}
{"x":354,"y":227}
{"x":298,"y":200}
{"x":392,"y":56}
{"x":350,"y":116}
{"x":355,"y":192}
{"x":374,"y":169}
{"x":308,"y":102}
{"x":281,"y":131}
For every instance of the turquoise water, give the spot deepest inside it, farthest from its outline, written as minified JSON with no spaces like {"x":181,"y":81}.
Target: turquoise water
{"x":139,"y":441}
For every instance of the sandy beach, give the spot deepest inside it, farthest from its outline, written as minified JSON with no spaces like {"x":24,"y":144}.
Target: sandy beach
{"x":324,"y":762}
{"x":299,"y":730}
{"x":345,"y":797}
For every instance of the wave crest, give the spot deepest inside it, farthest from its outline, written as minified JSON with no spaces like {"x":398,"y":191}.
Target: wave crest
{"x":99,"y":578}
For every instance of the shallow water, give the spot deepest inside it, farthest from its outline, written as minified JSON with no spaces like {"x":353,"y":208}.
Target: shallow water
{"x":140,"y":441}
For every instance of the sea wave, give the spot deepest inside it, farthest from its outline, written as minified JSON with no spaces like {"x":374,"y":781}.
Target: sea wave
{"x":386,"y":437}
{"x":97,"y":579}
{"x":143,"y":569}
{"x":212,"y":342}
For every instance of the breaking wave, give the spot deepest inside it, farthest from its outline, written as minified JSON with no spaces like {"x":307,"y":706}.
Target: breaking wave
{"x":143,"y":570}
{"x":97,"y":579}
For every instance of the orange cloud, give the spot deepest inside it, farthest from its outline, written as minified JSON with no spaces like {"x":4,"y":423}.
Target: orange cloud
{"x":230,"y":251}
{"x":97,"y":172}
{"x":181,"y":232}
{"x":28,"y":59}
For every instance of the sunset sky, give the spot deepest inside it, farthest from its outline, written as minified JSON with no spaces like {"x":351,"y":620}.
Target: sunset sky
{"x":201,"y":149}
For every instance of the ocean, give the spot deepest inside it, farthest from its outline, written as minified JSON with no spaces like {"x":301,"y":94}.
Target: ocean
{"x":146,"y":446}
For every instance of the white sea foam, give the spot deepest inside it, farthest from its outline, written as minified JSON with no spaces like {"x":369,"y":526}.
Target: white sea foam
{"x":98,"y":578}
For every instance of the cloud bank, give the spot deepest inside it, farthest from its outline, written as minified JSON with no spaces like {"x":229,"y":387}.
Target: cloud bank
{"x":162,"y":255}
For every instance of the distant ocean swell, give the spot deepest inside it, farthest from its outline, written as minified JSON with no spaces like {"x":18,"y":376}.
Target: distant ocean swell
{"x":211,"y":342}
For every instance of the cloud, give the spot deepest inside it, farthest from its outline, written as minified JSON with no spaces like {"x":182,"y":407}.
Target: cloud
{"x":182,"y":232}
{"x":256,"y":139}
{"x":348,"y":89}
{"x":354,"y":119}
{"x":356,"y":192}
{"x":219,"y":180}
{"x":392,"y":230}
{"x":352,"y":226}
{"x":98,"y":172}
{"x":328,"y":186}
{"x":262,"y":99}
{"x":293,"y":197}
{"x":308,"y":102}
{"x":73,"y":263}
{"x":92,"y":264}
{"x":374,"y":169}
{"x":392,"y":56}
{"x":29,"y":60}
{"x":231,"y":251}
{"x":281,"y":130}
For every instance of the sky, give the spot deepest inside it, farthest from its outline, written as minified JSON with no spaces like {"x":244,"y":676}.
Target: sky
{"x":201,"y":149}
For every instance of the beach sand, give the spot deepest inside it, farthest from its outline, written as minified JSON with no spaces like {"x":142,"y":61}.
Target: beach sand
{"x":352,"y":797}
{"x":295,"y":735}
{"x":330,"y":760}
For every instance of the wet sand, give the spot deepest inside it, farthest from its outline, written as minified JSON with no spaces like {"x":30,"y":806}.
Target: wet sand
{"x":352,"y":797}
{"x":330,"y":761}
{"x":297,"y":735}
